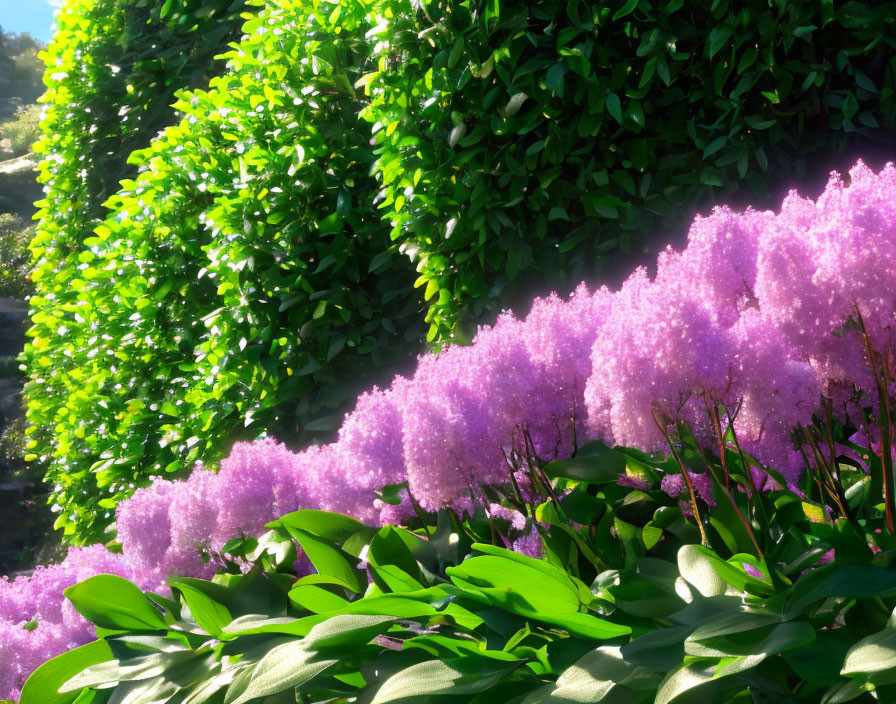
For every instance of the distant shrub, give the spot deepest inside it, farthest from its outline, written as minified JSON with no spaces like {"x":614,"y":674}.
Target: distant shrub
{"x":15,"y":259}
{"x":21,"y":71}
{"x":22,"y":131}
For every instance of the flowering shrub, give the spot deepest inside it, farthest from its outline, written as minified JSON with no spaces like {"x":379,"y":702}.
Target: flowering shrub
{"x":260,"y":262}
{"x":758,"y":361}
{"x":753,"y":330}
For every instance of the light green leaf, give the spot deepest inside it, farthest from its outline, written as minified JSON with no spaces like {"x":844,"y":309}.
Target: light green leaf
{"x":208,"y":613}
{"x":466,"y":675}
{"x":876,"y":653}
{"x":114,"y":603}
{"x":284,"y":667}
{"x":42,"y":687}
{"x":141,"y":668}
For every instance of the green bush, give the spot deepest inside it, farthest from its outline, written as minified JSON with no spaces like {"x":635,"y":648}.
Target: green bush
{"x":113,"y":69}
{"x":242,"y":282}
{"x":520,"y":140}
{"x":15,"y":260}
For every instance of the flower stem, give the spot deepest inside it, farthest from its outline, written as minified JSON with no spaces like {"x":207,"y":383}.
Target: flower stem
{"x":717,"y":426}
{"x":881,"y":380}
{"x":687,"y":480}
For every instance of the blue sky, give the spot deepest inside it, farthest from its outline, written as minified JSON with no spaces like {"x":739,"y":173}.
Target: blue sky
{"x":32,"y":16}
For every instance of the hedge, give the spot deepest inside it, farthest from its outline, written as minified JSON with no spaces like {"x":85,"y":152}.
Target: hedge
{"x":113,"y":68}
{"x":236,"y":286}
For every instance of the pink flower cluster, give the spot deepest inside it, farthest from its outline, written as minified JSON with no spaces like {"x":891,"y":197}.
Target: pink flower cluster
{"x":38,"y":623}
{"x":756,"y":322}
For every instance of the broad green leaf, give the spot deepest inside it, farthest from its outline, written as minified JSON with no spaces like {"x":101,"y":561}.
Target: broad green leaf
{"x":347,"y":631}
{"x":845,"y":692}
{"x":316,"y":599}
{"x":875,"y":653}
{"x":203,"y":691}
{"x":208,"y":613}
{"x":538,"y":591}
{"x":739,"y":622}
{"x":696,"y":566}
{"x":685,"y":678}
{"x":745,"y":650}
{"x":286,"y":666}
{"x":254,"y":623}
{"x":843,"y":581}
{"x":154,"y":691}
{"x":460,"y":676}
{"x":114,"y":603}
{"x":389,"y":547}
{"x":394,"y":579}
{"x":332,"y":526}
{"x":384,"y":606}
{"x":659,"y":650}
{"x":329,"y":560}
{"x":140,"y":668}
{"x":513,"y":585}
{"x":42,"y":687}
{"x":820,"y":661}
{"x":593,"y":677}
{"x":693,"y":561}
{"x":595,"y":463}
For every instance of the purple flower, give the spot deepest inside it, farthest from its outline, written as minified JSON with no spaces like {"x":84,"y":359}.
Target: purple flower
{"x":370,"y":441}
{"x":530,"y":545}
{"x":559,"y":335}
{"x":676,"y":487}
{"x":633,"y":481}
{"x":37,"y":601}
{"x":658,"y":354}
{"x":447,"y":431}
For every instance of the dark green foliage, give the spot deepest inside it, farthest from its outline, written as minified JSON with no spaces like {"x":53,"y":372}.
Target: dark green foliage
{"x":522,"y":139}
{"x":241,"y":284}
